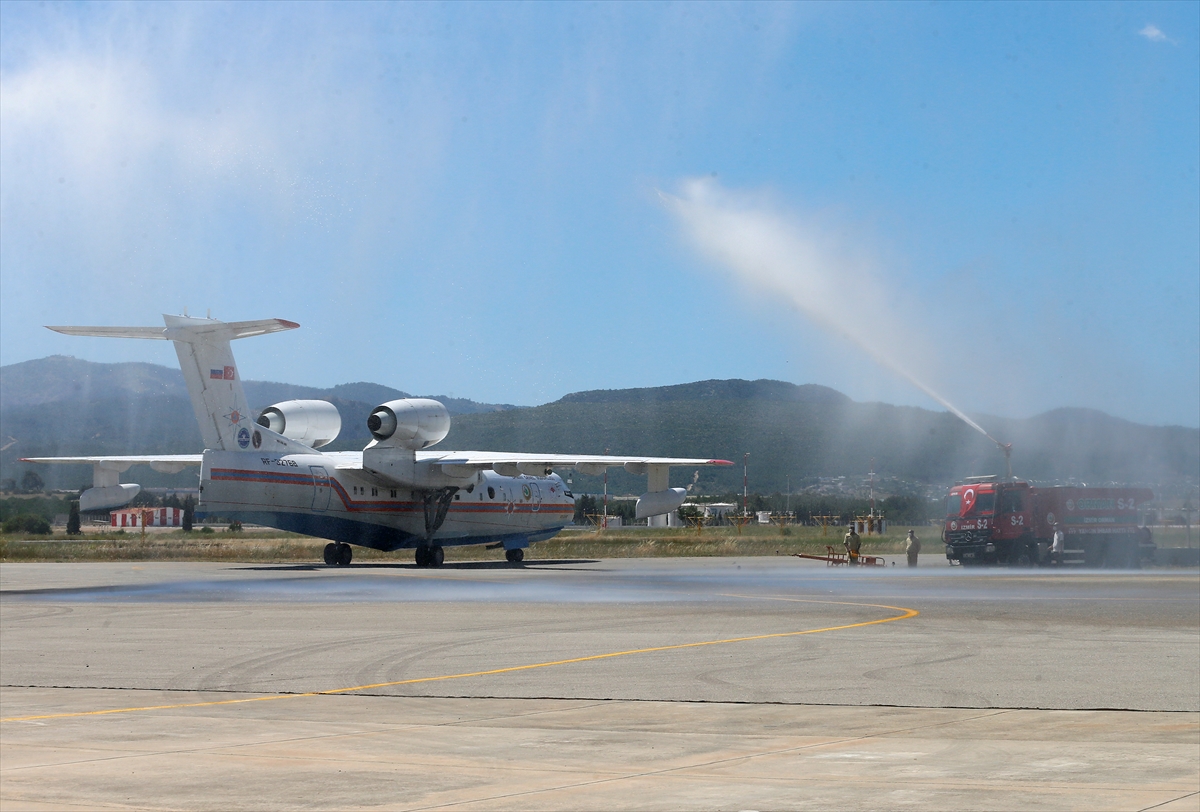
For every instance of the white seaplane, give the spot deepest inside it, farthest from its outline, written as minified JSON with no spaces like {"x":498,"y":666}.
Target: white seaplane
{"x":394,"y":494}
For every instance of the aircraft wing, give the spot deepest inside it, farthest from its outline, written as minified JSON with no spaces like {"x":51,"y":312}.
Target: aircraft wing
{"x":511,"y":463}
{"x":163,"y":463}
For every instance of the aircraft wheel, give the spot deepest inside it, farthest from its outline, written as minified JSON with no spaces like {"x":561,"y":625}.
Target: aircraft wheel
{"x":515,"y":556}
{"x":344,"y":555}
{"x":436,"y":556}
{"x":331,"y":554}
{"x":422,"y":556}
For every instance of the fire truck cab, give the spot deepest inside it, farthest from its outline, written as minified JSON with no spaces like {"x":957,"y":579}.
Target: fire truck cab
{"x":990,"y":522}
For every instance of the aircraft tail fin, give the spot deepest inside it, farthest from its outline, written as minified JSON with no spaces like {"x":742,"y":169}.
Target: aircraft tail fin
{"x":206,"y":360}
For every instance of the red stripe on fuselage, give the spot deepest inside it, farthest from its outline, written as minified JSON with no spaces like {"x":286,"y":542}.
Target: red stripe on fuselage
{"x":352,"y":506}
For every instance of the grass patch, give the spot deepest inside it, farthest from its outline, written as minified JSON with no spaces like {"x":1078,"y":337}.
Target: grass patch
{"x":267,"y":545}
{"x":254,"y":546}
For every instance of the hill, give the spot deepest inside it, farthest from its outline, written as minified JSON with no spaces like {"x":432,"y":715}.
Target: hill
{"x":810,"y":433}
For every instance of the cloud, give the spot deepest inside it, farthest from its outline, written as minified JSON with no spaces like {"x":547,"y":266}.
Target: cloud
{"x":1152,"y":33}
{"x":109,"y":127}
{"x":168,"y":156}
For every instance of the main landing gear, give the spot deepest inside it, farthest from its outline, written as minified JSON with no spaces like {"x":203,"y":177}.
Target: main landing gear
{"x":338,"y":555}
{"x":515,"y":556}
{"x":430,"y":556}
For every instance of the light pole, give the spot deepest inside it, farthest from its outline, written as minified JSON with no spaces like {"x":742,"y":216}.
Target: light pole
{"x":745,"y":483}
{"x":604,"y":522}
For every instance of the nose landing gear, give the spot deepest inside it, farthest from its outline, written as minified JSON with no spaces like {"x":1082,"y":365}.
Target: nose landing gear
{"x":515,"y":556}
{"x":430,"y":556}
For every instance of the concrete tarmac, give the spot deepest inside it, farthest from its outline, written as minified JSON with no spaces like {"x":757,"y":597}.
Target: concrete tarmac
{"x":755,"y":683}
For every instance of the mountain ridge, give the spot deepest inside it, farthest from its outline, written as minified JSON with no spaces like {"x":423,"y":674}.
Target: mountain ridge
{"x":793,"y":432}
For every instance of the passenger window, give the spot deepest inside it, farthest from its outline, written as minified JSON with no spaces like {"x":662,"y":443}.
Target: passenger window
{"x":491,"y":492}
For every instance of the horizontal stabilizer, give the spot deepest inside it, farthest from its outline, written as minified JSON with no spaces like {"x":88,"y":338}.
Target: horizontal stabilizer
{"x":184,"y":330}
{"x":159,"y":333}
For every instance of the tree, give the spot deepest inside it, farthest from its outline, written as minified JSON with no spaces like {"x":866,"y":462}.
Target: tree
{"x":27,"y":523}
{"x":584,"y":507}
{"x":145,"y":499}
{"x":189,"y":514}
{"x":73,"y":528}
{"x":31,"y":482}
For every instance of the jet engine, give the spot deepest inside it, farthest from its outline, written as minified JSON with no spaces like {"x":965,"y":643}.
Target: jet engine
{"x":411,"y":423}
{"x":312,"y":422}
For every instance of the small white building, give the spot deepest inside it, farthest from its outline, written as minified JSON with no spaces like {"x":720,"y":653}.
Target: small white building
{"x":716,"y":510}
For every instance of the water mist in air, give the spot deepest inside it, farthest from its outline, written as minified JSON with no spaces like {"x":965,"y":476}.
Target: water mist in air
{"x":766,"y":249}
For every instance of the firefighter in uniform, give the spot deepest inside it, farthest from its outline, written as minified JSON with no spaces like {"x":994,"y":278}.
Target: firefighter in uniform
{"x":912,"y":546}
{"x":1056,"y":545}
{"x":852,"y":543}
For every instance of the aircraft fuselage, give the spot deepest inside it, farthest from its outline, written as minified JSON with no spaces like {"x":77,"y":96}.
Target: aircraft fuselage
{"x":311,"y":494}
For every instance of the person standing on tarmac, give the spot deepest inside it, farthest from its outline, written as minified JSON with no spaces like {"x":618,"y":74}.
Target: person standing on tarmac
{"x":852,"y":543}
{"x":1056,"y":545}
{"x":912,"y":546}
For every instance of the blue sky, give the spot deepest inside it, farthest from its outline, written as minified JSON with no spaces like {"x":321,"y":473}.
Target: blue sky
{"x":510,"y":202}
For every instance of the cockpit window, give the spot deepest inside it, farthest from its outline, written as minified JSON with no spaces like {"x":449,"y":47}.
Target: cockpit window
{"x":954,"y":504}
{"x":1011,"y":502}
{"x":984,"y":503}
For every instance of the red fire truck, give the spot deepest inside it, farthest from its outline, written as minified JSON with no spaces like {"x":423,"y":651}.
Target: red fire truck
{"x":994,"y":521}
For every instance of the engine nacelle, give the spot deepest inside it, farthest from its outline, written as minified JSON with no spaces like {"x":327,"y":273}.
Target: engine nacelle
{"x":312,"y":422}
{"x":412,"y":423}
{"x":659,"y":502}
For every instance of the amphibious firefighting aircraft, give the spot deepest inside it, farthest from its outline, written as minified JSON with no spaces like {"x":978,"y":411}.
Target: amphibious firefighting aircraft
{"x":394,"y":494}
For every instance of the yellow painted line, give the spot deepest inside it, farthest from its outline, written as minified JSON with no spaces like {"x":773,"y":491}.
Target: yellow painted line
{"x":905,"y":614}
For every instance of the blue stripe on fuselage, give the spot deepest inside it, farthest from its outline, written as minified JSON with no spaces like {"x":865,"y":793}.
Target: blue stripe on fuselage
{"x":374,"y":536}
